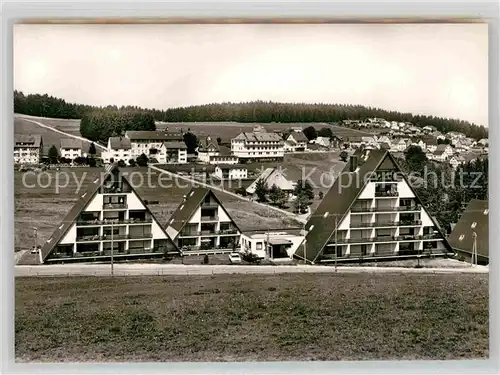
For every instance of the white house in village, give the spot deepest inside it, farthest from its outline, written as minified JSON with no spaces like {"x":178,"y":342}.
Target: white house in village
{"x":231,"y":171}
{"x":273,"y":176}
{"x":27,"y":149}
{"x":207,"y":148}
{"x":298,"y":141}
{"x":119,"y":149}
{"x":70,"y":148}
{"x":323,"y":141}
{"x":443,"y":152}
{"x":271,"y":245}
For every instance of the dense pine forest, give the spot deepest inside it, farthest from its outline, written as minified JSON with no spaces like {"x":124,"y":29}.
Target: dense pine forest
{"x":258,"y":111}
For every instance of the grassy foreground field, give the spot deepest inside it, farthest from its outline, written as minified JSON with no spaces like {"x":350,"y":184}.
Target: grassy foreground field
{"x":252,"y":318}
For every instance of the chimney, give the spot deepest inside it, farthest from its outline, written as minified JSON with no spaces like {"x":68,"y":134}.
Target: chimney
{"x":353,"y":163}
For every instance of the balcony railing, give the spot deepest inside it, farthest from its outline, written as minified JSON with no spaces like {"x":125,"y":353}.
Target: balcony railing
{"x":386,"y":209}
{"x":228,"y":231}
{"x":114,"y":206}
{"x":387,"y":224}
{"x":114,"y":221}
{"x":116,"y":237}
{"x":208,"y":233}
{"x":409,"y":222}
{"x":209,"y":218}
{"x":403,"y":237}
{"x":197,"y":248}
{"x":386,"y":193}
{"x":209,"y":205}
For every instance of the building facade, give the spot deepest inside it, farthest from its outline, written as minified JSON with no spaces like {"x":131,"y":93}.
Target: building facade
{"x":371,"y":212}
{"x":207,"y":148}
{"x":270,"y":245}
{"x":119,"y":148}
{"x":109,"y":219}
{"x":231,"y":172}
{"x":27,"y":149}
{"x":70,"y":148}
{"x":201,"y":223}
{"x":258,"y":146}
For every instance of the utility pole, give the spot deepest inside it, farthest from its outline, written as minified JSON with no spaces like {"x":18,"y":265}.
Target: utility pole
{"x":112,"y":245}
{"x":336,"y":219}
{"x":474,"y":249}
{"x":35,"y":235}
{"x":305,"y":245}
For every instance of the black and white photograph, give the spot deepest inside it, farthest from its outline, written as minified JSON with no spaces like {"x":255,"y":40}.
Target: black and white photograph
{"x":248,"y":192}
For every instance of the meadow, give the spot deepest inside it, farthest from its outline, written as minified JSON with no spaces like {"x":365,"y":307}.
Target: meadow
{"x":289,"y":317}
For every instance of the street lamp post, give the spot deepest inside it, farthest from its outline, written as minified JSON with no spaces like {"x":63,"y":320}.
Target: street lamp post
{"x":474,"y":249}
{"x":112,"y":245}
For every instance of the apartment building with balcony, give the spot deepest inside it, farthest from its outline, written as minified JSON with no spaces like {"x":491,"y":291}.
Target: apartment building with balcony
{"x":201,"y":223}
{"x":27,"y":149}
{"x":109,"y":217}
{"x":258,"y":146}
{"x":70,"y":148}
{"x":371,"y":212}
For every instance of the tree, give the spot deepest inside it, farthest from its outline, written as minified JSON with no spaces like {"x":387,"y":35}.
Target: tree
{"x":305,"y":188}
{"x":91,"y":162}
{"x":325,"y":132}
{"x":53,"y":154}
{"x":112,"y":160}
{"x":301,"y":202}
{"x":121,"y":163}
{"x":191,"y":142}
{"x":92,"y":150}
{"x":80,"y":160}
{"x":415,"y":158}
{"x":321,"y":195}
{"x":310,"y":133}
{"x":344,"y":156}
{"x":445,"y":141}
{"x":277,"y":196}
{"x":261,"y":190}
{"x":131,"y":162}
{"x":142,"y":160}
{"x":219,"y":140}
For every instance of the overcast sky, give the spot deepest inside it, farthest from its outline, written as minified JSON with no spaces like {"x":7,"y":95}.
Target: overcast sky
{"x":431,"y":69}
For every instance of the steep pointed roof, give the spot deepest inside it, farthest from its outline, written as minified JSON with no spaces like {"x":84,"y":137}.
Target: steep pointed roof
{"x":272,"y":176}
{"x":339,"y":199}
{"x":80,"y":205}
{"x":473,"y":219}
{"x":188,"y":207}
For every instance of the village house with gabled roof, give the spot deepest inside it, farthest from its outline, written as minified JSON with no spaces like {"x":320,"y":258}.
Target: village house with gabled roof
{"x":207,"y":147}
{"x":298,"y":140}
{"x":442,"y":153}
{"x":202,"y":223}
{"x":71,"y":148}
{"x":273,"y":176}
{"x":28,"y":149}
{"x":109,"y":216}
{"x":472,"y":226}
{"x":371,"y":212}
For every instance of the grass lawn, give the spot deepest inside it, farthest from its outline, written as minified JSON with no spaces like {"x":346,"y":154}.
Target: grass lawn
{"x":252,"y":318}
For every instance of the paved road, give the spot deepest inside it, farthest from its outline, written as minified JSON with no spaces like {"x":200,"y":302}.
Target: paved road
{"x":165,"y":269}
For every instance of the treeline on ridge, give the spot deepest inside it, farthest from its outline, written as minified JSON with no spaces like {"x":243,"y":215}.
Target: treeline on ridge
{"x":257,"y":111}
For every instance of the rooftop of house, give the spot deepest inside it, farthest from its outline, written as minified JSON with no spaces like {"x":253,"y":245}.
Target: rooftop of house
{"x":299,"y":137}
{"x":473,"y":219}
{"x":120,"y":143}
{"x":153,"y":135}
{"x":25,"y":140}
{"x":259,"y":137}
{"x":231,"y":166}
{"x":272,"y":176}
{"x":175,"y":145}
{"x":71,"y":143}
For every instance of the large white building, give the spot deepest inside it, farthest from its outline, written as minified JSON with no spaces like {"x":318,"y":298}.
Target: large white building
{"x":371,"y":212}
{"x":109,"y":217}
{"x":201,"y":223}
{"x":163,"y":147}
{"x":27,"y":149}
{"x":71,"y":148}
{"x":258,"y":146}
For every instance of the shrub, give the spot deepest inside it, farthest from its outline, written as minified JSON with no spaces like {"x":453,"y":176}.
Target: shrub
{"x":121,"y":163}
{"x":205,"y":259}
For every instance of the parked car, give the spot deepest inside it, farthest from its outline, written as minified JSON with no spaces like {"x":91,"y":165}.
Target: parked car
{"x":234,"y":258}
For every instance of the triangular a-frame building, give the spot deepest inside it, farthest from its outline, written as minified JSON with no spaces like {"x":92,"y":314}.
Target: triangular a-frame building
{"x":109,"y":215}
{"x":202,"y":223}
{"x":371,"y":212}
